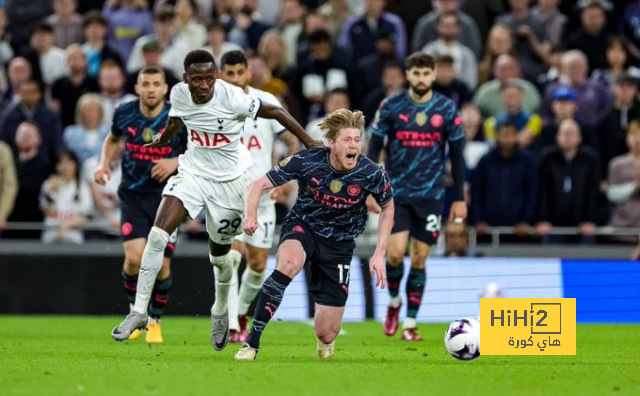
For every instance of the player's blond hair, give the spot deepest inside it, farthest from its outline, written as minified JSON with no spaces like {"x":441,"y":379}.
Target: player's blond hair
{"x":340,"y":119}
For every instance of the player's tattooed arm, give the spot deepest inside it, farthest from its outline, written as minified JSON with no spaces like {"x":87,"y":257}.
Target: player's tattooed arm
{"x":377,"y":264}
{"x":256,"y":189}
{"x":286,"y":120}
{"x":174,"y":125}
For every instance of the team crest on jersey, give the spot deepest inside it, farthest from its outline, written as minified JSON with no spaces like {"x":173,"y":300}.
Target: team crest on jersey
{"x":285,"y":161}
{"x":335,"y":186}
{"x":421,"y":119}
{"x":354,"y":190}
{"x":147,"y":134}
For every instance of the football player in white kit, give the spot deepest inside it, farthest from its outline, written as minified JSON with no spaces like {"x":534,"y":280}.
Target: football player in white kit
{"x":259,"y":135}
{"x":213,"y":174}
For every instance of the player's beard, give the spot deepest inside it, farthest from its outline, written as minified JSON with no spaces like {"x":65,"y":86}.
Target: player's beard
{"x":151,"y":106}
{"x":421,"y":91}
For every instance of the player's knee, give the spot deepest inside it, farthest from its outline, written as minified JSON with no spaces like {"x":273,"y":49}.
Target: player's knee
{"x":158,"y":239}
{"x":290,"y":266}
{"x":327,"y":332}
{"x":394,"y":259}
{"x":132,"y":263}
{"x":257,"y":264}
{"x":418,"y":261}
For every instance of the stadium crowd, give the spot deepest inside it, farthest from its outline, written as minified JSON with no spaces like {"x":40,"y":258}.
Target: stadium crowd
{"x":547,"y":90}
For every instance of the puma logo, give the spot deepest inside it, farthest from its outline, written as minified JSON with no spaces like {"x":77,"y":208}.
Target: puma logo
{"x":403,"y":117}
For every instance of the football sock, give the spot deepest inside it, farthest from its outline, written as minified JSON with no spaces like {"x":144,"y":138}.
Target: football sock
{"x":160,"y":297}
{"x":151,"y":264}
{"x":130,"y":284}
{"x":415,"y":288}
{"x":394,"y":276}
{"x":251,"y":283}
{"x":223,"y":271}
{"x":269,"y":300}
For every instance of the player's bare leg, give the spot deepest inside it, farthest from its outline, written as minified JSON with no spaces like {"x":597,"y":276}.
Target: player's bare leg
{"x":419,"y":251}
{"x":252,"y":279}
{"x":235,"y":253}
{"x":327,"y":326}
{"x":290,"y":260}
{"x":223,"y":270}
{"x":396,"y":250}
{"x":170,"y":214}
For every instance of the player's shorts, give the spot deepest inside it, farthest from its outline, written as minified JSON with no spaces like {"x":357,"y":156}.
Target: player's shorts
{"x":263,"y":237}
{"x":223,"y":202}
{"x":330,"y":263}
{"x":421,"y":219}
{"x":137,"y":215}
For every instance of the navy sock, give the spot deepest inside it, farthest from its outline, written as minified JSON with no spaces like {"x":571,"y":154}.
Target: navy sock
{"x":130,"y":286}
{"x":415,"y":288}
{"x":269,"y":300}
{"x":160,"y":297}
{"x":394,"y":276}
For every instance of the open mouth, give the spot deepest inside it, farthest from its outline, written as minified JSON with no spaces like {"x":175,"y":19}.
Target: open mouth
{"x":351,"y":158}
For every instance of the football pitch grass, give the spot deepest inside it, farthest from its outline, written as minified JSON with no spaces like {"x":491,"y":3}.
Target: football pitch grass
{"x":57,"y":355}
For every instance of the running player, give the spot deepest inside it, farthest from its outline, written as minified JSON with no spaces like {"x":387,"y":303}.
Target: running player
{"x":258,"y":136}
{"x":329,"y":214}
{"x":417,"y":123}
{"x":144,"y":173}
{"x":213,"y":174}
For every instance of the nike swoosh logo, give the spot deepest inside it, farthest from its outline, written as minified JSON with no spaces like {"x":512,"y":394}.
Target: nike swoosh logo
{"x":226,"y":238}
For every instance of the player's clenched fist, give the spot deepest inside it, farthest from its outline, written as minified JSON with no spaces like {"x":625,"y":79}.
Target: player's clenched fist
{"x":102,"y":175}
{"x":249,"y":225}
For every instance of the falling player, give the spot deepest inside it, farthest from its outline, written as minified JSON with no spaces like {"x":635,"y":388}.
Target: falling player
{"x":213,"y":174}
{"x":417,"y":123}
{"x":144,"y":173}
{"x":258,"y":136}
{"x":329,"y":214}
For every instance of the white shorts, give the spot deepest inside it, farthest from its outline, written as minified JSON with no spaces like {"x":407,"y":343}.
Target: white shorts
{"x":223,"y":202}
{"x":263,"y":237}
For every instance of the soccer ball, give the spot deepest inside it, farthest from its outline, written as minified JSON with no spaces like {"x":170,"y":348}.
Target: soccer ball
{"x":462,"y":339}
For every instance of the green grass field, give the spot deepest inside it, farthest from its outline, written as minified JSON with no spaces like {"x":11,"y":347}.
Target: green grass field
{"x":54,"y":355}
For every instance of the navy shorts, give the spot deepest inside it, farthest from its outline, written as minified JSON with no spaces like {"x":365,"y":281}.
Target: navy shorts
{"x":137,"y":214}
{"x":330,"y":263}
{"x":422,"y":220}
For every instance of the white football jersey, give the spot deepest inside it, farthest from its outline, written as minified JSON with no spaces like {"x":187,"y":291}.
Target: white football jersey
{"x":259,"y":136}
{"x":214,"y":150}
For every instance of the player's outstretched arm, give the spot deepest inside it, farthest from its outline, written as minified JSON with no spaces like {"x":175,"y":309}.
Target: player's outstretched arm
{"x":103,"y":174}
{"x":286,"y":120}
{"x":385,"y":224}
{"x":255,"y":189}
{"x":174,"y":125}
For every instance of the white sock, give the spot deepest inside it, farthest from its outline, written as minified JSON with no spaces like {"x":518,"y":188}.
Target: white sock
{"x":251,"y":284}
{"x":235,"y":257}
{"x":395,"y":302}
{"x":409,"y":323}
{"x":223,"y":270}
{"x":149,"y":268}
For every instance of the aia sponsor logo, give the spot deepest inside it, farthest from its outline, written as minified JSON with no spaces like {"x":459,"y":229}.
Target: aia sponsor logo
{"x":203,"y":139}
{"x":354,"y":190}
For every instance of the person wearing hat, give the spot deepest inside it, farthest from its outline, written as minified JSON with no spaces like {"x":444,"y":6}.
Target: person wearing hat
{"x":151,"y":53}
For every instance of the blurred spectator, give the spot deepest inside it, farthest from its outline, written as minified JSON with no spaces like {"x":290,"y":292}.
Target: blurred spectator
{"x":554,"y":21}
{"x":456,"y":240}
{"x":173,"y":50}
{"x":569,"y":186}
{"x":499,"y":42}
{"x":359,"y":31}
{"x":618,"y":63}
{"x":624,"y":182}
{"x":19,"y":70}
{"x":67,"y":90}
{"x":336,"y":99}
{"x":31,"y":108}
{"x":483,"y":13}
{"x":425,"y":30}
{"x":613,"y":128}
{"x":111,"y":81}
{"x":52,"y":60}
{"x":23,"y":15}
{"x":6,"y":52}
{"x":325,"y":69}
{"x":185,"y":26}
{"x":448,"y":28}
{"x":369,"y":68}
{"x":273,"y":51}
{"x":475,"y":146}
{"x":65,"y":200}
{"x":128,"y":20}
{"x":32,"y":169}
{"x":392,"y":83}
{"x":291,"y":25}
{"x":529,"y":124}
{"x":262,"y":78}
{"x":244,"y":28}
{"x":312,"y":22}
{"x":592,"y":36}
{"x":564,"y":108}
{"x":336,"y":12}
{"x":105,"y":198}
{"x":151,"y":54}
{"x":575,"y":15}
{"x":216,"y":41}
{"x":531,"y":39}
{"x":631,"y":28}
{"x":448,"y":83}
{"x":488,"y":96}
{"x":85,"y":138}
{"x":503,"y":190}
{"x":8,"y":184}
{"x":95,"y":46}
{"x":66,"y":23}
{"x":594,"y":100}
